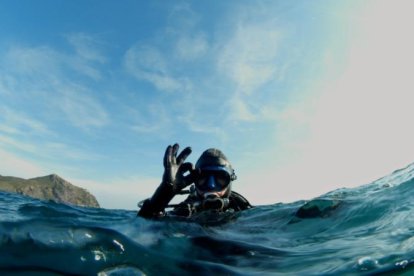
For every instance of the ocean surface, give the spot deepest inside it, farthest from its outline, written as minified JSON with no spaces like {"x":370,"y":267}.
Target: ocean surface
{"x":367,"y":230}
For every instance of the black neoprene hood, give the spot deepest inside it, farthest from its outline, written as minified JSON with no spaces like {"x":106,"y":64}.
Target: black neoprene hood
{"x":214,"y":157}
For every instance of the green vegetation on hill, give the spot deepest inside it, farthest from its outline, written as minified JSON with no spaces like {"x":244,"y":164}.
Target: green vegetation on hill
{"x":50,"y":187}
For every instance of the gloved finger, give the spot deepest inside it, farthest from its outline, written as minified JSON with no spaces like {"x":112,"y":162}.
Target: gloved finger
{"x":183,"y":155}
{"x":168,"y":157}
{"x":186,"y":167}
{"x":190,"y":177}
{"x":174,"y":153}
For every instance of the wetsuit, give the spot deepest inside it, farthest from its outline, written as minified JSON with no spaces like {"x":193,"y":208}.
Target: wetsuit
{"x":192,"y":205}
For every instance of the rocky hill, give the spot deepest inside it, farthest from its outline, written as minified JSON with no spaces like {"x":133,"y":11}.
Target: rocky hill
{"x":50,"y":187}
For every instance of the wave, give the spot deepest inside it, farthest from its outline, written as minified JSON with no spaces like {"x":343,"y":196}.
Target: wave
{"x":365,"y":230}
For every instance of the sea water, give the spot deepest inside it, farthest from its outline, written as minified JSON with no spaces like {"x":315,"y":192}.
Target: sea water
{"x":361,"y":231}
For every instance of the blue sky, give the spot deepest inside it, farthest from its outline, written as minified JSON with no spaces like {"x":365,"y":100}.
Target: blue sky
{"x":303,"y":96}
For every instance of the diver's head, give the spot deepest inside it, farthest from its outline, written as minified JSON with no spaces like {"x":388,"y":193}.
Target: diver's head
{"x":214,"y":175}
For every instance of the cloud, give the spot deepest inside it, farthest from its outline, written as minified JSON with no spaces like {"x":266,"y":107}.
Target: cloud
{"x":366,"y":110}
{"x":41,"y":61}
{"x":50,"y":63}
{"x":149,"y":119}
{"x":45,"y":149}
{"x":88,"y":55}
{"x":86,"y":47}
{"x":182,"y":18}
{"x":164,"y":59}
{"x":148,"y":64}
{"x":26,"y":147}
{"x":202,"y":126}
{"x":45,"y":90}
{"x":353,"y":126}
{"x":5,"y":83}
{"x":346,"y":127}
{"x":249,"y":57}
{"x":13,"y":165}
{"x":15,"y":122}
{"x":189,"y":41}
{"x":192,"y":47}
{"x":63,"y":151}
{"x":83,"y":111}
{"x":120,"y":193}
{"x":46,"y":76}
{"x":240,"y":110}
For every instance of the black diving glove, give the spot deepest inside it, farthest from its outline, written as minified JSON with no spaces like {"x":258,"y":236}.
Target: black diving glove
{"x":177,"y":175}
{"x":175,"y":168}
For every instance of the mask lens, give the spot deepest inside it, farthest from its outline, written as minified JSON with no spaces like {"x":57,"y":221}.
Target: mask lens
{"x":201,"y":183}
{"x":221,"y":180}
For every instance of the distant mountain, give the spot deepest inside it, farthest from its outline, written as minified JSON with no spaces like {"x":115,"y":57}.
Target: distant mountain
{"x":50,"y":187}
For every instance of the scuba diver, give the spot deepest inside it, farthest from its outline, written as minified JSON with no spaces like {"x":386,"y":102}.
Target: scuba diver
{"x":211,"y":185}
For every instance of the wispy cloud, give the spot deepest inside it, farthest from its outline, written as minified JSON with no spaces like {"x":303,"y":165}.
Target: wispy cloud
{"x":39,"y":61}
{"x":149,"y":64}
{"x":46,"y":61}
{"x":182,"y":18}
{"x":5,"y":84}
{"x":47,"y":77}
{"x":155,"y":119}
{"x":240,"y":109}
{"x":46,"y":149}
{"x":352,"y":126}
{"x":63,"y":151}
{"x":167,"y":59}
{"x":189,"y":41}
{"x":192,"y":47}
{"x":8,"y":141}
{"x":362,"y":115}
{"x":16,"y":122}
{"x":88,"y":55}
{"x":200,"y":125}
{"x":12,"y":165}
{"x":86,"y":46}
{"x":120,"y":193}
{"x":249,"y":57}
{"x":82,"y":110}
{"x":43,"y":95}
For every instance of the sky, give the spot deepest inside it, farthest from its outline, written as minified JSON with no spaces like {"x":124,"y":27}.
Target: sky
{"x":303,"y":97}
